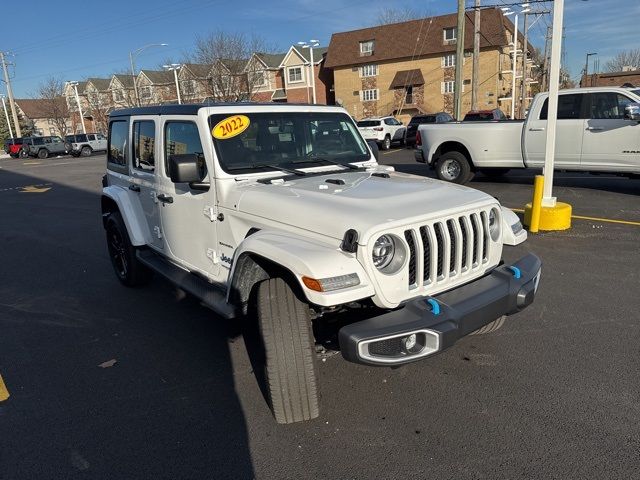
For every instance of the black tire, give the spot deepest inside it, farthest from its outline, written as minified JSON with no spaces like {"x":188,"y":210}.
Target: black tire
{"x":23,"y":153}
{"x":454,"y":167}
{"x":285,"y":326}
{"x":86,"y":151}
{"x":490,"y":327}
{"x":386,"y":143}
{"x":43,"y":153}
{"x":14,"y":155}
{"x":126,"y":265}
{"x":495,"y":172}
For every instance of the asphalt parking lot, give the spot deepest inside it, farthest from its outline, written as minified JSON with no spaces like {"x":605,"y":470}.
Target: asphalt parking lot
{"x":114,"y":383}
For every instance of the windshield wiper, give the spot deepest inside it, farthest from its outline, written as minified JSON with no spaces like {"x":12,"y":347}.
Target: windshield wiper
{"x":300,"y":173}
{"x":326,"y":160}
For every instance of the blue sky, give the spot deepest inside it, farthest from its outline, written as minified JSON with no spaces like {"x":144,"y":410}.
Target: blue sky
{"x":81,"y":39}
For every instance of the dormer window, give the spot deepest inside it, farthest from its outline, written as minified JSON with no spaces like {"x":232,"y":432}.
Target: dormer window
{"x":366,"y":48}
{"x":449,"y":34}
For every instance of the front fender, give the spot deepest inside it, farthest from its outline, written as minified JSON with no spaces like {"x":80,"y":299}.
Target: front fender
{"x":131,"y":212}
{"x":304,"y":257}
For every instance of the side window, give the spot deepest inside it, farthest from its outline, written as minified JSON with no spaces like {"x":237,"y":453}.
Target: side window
{"x":117,"y":151}
{"x":144,"y":142}
{"x":389,"y":121}
{"x":100,"y":136}
{"x":569,"y":107}
{"x":180,"y":138}
{"x":91,"y":137}
{"x":608,"y":105}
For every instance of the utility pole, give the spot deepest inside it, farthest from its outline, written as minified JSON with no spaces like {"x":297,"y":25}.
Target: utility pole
{"x":523,"y":80}
{"x":12,"y":103}
{"x":586,"y":68}
{"x":6,"y":115}
{"x":476,"y":56}
{"x":457,"y":91}
{"x":545,"y":63}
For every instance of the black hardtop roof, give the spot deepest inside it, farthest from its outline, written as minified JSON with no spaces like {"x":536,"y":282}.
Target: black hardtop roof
{"x":192,"y":109}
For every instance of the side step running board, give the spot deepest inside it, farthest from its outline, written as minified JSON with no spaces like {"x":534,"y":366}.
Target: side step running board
{"x":210,"y":295}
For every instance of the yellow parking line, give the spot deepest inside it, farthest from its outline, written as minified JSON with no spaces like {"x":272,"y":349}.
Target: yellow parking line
{"x":32,"y":163}
{"x":593,"y":219}
{"x":4,"y":393}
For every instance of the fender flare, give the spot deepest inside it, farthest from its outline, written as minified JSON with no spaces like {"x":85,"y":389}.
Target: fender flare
{"x":130,"y":211}
{"x":300,"y":257}
{"x":509,"y":220}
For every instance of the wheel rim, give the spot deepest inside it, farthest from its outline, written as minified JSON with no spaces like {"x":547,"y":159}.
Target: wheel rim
{"x":86,"y":152}
{"x":387,"y":142}
{"x":450,"y":170}
{"x":117,"y":252}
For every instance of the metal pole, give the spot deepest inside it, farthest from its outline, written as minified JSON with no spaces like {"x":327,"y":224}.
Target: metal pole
{"x":523,"y":81}
{"x":12,"y":104}
{"x":554,"y":85}
{"x":313,"y":74}
{"x":514,"y":61}
{"x":457,"y":90}
{"x":75,"y":88}
{"x":476,"y":56}
{"x":545,"y":63}
{"x":175,"y":74}
{"x":133,"y":74}
{"x":6,"y":115}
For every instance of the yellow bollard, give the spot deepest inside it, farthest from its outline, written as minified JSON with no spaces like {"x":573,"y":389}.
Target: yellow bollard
{"x":536,"y":204}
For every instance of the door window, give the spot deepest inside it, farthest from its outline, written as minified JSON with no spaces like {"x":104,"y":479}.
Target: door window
{"x":118,"y":133}
{"x":608,"y":105}
{"x":569,"y":107}
{"x":144,"y":142}
{"x":91,"y":137}
{"x":181,"y":138}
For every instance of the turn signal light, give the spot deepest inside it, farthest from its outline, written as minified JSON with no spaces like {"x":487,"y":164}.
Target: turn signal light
{"x":331,"y":283}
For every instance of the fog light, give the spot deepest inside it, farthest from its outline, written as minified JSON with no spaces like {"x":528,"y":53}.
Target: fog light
{"x":409,"y":342}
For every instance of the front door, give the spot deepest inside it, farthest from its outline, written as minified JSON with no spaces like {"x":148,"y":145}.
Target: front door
{"x":188,"y":215}
{"x":611,"y":142}
{"x":569,"y":128}
{"x":144,"y":152}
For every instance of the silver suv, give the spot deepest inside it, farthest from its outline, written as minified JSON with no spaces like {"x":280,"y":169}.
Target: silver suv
{"x":42,"y":147}
{"x":85,"y":144}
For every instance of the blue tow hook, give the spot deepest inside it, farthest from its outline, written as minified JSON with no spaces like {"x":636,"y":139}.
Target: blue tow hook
{"x":516,"y":271}
{"x":435,"y":306}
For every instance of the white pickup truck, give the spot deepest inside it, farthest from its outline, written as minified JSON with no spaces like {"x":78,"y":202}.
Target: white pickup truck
{"x":597,"y":131}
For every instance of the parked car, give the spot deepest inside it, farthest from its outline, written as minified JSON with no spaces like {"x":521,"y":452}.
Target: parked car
{"x":42,"y":147}
{"x":280,"y":215}
{"x":412,"y":128}
{"x":384,"y":130}
{"x":13,"y":146}
{"x":597,"y":131}
{"x":485,"y":115}
{"x":85,"y":144}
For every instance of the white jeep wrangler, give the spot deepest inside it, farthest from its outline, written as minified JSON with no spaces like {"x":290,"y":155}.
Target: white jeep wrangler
{"x":280,"y":213}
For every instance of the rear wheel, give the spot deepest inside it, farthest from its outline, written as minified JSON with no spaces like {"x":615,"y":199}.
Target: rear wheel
{"x":386,"y":143}
{"x":23,"y":153}
{"x":126,"y":265}
{"x":13,"y":155}
{"x":490,"y":327}
{"x":43,"y":153}
{"x":86,"y":151}
{"x":454,"y":167}
{"x":285,"y":325}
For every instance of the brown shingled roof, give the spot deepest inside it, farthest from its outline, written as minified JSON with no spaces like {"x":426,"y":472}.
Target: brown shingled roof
{"x":398,"y":40}
{"x":42,"y":108}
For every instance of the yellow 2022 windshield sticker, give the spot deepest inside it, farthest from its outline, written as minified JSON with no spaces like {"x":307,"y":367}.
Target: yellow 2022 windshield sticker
{"x":230,"y":127}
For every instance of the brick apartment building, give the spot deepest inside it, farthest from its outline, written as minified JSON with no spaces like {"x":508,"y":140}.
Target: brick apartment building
{"x":627,"y":78}
{"x":407,"y":68}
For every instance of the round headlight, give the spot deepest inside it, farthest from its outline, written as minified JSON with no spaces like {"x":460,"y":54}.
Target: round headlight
{"x":383,"y":251}
{"x":494,"y":224}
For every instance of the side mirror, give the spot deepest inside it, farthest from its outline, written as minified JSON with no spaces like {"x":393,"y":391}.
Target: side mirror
{"x":632,"y":111}
{"x":188,"y":168}
{"x":373,"y":145}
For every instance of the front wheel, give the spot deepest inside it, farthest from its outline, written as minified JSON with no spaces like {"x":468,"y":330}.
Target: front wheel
{"x":85,"y":152}
{"x":386,"y":143}
{"x":126,"y":265}
{"x":285,"y":325}
{"x":43,"y":153}
{"x":23,"y":153}
{"x":454,"y":167}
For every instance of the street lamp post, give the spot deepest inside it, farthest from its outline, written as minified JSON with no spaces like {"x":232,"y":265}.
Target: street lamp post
{"x":175,"y":67}
{"x":514,"y":53}
{"x":311,"y":45}
{"x":132,"y":55}
{"x":586,"y":67}
{"x":75,"y":88}
{"x":6,"y":115}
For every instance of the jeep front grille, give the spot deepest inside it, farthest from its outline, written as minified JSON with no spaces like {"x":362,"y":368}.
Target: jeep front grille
{"x":446,"y":249}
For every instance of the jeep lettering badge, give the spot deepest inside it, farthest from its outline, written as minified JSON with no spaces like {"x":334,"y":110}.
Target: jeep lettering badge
{"x":424,"y":257}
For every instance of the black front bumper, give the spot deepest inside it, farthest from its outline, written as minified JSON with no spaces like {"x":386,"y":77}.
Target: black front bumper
{"x":439,"y":321}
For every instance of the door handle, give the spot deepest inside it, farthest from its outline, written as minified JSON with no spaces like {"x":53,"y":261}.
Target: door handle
{"x":164,"y":198}
{"x":539,"y":129}
{"x":134,"y":188}
{"x":595,"y":128}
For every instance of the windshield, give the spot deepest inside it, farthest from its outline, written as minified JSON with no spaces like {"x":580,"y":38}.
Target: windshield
{"x":425,"y":119}
{"x":285,"y":140}
{"x":369,"y":123}
{"x":637,"y":92}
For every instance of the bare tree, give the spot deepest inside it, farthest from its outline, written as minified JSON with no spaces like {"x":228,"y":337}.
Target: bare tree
{"x":389,"y":15}
{"x":233,"y":77}
{"x":623,"y":59}
{"x":51,"y":91}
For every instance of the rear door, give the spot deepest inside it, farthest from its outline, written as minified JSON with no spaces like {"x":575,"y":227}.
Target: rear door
{"x":611,"y":142}
{"x":569,"y":128}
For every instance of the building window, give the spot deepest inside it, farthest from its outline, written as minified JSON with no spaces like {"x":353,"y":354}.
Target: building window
{"x":369,"y":95}
{"x":366,"y":48}
{"x":259,"y":78}
{"x":295,"y":74}
{"x":370,"y":70}
{"x":145,"y":93}
{"x":449,"y":60}
{"x":449,"y":34}
{"x":448,"y":87}
{"x":187,"y":87}
{"x":118,"y":95}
